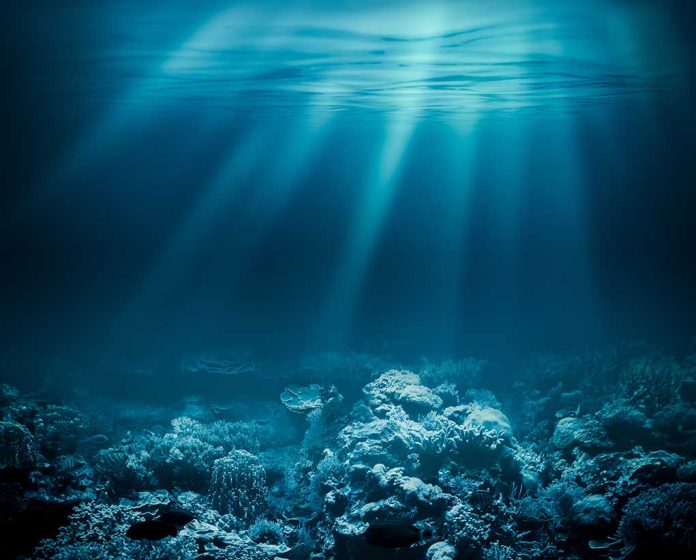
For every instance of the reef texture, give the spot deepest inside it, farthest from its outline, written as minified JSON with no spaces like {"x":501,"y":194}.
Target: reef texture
{"x":589,"y":456}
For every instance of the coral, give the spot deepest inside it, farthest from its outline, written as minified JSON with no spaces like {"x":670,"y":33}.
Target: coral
{"x":441,"y":551}
{"x":467,"y":443}
{"x":381,"y":440}
{"x":268,"y":532}
{"x":448,"y":392}
{"x":8,"y":396}
{"x":98,"y":531}
{"x":302,"y":400}
{"x":465,"y":529}
{"x":651,"y":381}
{"x":687,"y":472}
{"x":327,"y":474}
{"x":561,"y":498}
{"x":620,"y":475}
{"x":124,"y":468}
{"x":225,"y":362}
{"x":482,"y":397}
{"x":592,"y":513}
{"x":243,"y":551}
{"x":490,"y":420}
{"x":660,"y":521}
{"x":598,"y":466}
{"x":584,"y":433}
{"x":249,"y":435}
{"x":499,"y":551}
{"x":401,"y":388}
{"x":17,"y":447}
{"x":626,"y":425}
{"x":59,"y":430}
{"x":238,"y":486}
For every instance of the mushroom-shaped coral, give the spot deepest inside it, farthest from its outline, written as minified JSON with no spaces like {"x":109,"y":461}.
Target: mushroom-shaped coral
{"x":586,"y":433}
{"x":302,"y":400}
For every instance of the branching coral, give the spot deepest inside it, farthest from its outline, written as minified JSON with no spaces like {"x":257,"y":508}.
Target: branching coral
{"x":267,"y":532}
{"x":125,"y":468}
{"x":465,"y":529}
{"x":651,"y":381}
{"x":183,"y":461}
{"x":97,"y":531}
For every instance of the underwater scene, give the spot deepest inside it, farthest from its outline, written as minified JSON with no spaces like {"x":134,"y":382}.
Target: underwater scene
{"x":348,"y":280}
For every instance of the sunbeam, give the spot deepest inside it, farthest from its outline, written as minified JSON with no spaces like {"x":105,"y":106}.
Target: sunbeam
{"x":214,"y":202}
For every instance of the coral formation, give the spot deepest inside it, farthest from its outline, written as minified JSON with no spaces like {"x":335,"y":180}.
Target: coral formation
{"x":238,"y":486}
{"x":17,"y":448}
{"x":565,"y":464}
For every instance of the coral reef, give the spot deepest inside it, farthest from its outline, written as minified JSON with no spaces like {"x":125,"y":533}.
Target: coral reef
{"x":589,"y":456}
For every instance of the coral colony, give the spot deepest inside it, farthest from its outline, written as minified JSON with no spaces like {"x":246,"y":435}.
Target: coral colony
{"x":590,"y":456}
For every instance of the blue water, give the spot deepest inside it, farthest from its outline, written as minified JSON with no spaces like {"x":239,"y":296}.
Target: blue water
{"x":467,"y":176}
{"x":223,"y":223}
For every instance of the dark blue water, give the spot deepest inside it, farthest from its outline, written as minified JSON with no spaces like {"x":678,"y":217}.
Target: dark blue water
{"x":208,"y":205}
{"x":469,"y":177}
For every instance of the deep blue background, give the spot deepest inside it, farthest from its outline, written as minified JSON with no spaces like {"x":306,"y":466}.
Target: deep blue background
{"x":576,"y":227}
